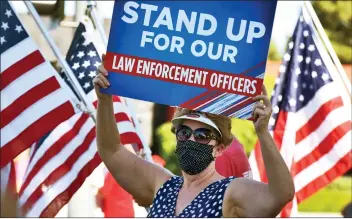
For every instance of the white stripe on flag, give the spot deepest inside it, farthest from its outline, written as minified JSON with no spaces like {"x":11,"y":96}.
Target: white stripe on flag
{"x":325,"y":93}
{"x":287,"y":149}
{"x":24,"y":83}
{"x":63,"y":183}
{"x":254,"y":167}
{"x":294,"y":209}
{"x":5,"y":175}
{"x":57,"y":160}
{"x":125,"y":126}
{"x":325,"y":163}
{"x":120,"y":108}
{"x":92,"y":96}
{"x":17,"y":53}
{"x":60,"y":130}
{"x":31,"y":115}
{"x":331,"y":121}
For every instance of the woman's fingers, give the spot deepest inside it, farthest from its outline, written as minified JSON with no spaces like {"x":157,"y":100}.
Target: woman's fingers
{"x":102,"y":59}
{"x":258,"y":112}
{"x":102,"y":70}
{"x":258,"y":105}
{"x":263,"y":98}
{"x":99,"y":83}
{"x":104,"y":79}
{"x":264,"y":90}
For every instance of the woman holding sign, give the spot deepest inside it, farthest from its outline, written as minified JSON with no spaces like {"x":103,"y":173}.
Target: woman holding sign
{"x":201,"y":191}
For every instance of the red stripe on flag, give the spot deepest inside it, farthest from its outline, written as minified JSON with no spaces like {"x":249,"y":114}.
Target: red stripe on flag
{"x":12,"y":181}
{"x":122,"y":117}
{"x":60,"y":171}
{"x":34,"y":132}
{"x":21,"y":67}
{"x":116,"y":98}
{"x":324,"y":147}
{"x":278,"y":137}
{"x":318,"y":118}
{"x":130,"y":138}
{"x":260,"y":162}
{"x":95,"y":104}
{"x":286,"y":211}
{"x":340,"y":168}
{"x":28,"y":99}
{"x":62,"y":199}
{"x":54,"y":150}
{"x":280,"y":127}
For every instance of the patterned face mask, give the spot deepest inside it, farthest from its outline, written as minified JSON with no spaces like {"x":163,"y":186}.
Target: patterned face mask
{"x":193,"y":156}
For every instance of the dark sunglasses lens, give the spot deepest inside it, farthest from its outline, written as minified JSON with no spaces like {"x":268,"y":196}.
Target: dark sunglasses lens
{"x":183,"y":133}
{"x":202,"y":136}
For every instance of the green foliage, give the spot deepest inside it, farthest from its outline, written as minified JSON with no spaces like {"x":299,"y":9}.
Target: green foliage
{"x":336,"y":18}
{"x":344,"y":52}
{"x":332,"y":198}
{"x":168,"y":145}
{"x":274,"y":54}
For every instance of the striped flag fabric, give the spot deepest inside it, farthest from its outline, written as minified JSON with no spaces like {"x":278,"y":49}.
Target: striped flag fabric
{"x":62,"y":161}
{"x":311,"y":120}
{"x":8,"y":191}
{"x":8,"y":179}
{"x":84,"y":57}
{"x":34,"y":98}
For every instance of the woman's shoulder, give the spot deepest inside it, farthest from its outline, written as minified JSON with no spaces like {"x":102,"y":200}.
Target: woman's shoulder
{"x":173,"y":181}
{"x":226,"y":181}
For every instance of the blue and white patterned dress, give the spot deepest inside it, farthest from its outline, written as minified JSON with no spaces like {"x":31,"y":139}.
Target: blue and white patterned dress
{"x":208,"y":202}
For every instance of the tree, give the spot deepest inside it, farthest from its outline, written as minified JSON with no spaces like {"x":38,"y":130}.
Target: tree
{"x":274,"y":54}
{"x":336,"y":18}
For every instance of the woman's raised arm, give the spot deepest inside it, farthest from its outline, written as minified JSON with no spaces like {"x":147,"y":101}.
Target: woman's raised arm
{"x":137,"y":176}
{"x":255,"y":199}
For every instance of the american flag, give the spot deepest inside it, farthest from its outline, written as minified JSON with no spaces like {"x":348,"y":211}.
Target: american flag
{"x":68,"y":155}
{"x":311,"y":121}
{"x":34,"y":98}
{"x":8,"y":179}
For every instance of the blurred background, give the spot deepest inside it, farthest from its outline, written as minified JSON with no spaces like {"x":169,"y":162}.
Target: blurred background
{"x":62,"y":17}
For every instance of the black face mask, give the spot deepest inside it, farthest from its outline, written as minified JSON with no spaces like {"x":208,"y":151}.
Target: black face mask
{"x":193,"y":156}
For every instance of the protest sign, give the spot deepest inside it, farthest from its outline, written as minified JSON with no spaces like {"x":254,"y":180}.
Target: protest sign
{"x":208,"y":56}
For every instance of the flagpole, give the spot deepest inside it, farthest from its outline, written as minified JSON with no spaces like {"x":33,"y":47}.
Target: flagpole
{"x":91,"y":4}
{"x":68,"y":71}
{"x":100,"y":28}
{"x":326,"y":41}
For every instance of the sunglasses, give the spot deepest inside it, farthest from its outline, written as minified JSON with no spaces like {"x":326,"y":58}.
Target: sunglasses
{"x":201,"y":135}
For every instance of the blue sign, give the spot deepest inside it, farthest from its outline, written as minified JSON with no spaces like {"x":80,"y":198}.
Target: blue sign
{"x":208,"y":56}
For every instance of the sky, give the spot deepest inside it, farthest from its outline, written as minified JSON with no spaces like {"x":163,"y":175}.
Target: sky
{"x":287,"y":13}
